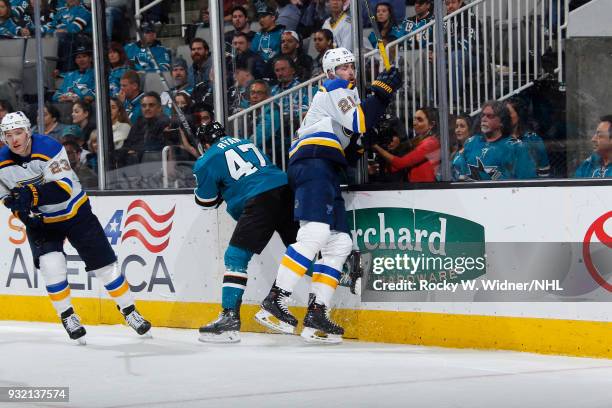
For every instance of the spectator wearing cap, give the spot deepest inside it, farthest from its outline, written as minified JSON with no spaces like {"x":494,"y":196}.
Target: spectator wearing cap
{"x":241,"y":24}
{"x":140,"y":58}
{"x":199,"y":71}
{"x":87,"y":177}
{"x":118,"y":67}
{"x":244,"y":57}
{"x":130,"y":95}
{"x":179,"y":76}
{"x":72,"y":19}
{"x":323,"y":40}
{"x":79,"y":84}
{"x":291,"y":46}
{"x":339,"y":23}
{"x":268,"y":40}
{"x":286,"y":78}
{"x":52,"y":125}
{"x":599,"y":163}
{"x":423,"y":15}
{"x":289,"y":14}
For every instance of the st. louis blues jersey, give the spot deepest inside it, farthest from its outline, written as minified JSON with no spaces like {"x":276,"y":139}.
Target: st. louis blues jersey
{"x":48,"y":168}
{"x":502,"y":159}
{"x":335,"y":114}
{"x":234,"y":170}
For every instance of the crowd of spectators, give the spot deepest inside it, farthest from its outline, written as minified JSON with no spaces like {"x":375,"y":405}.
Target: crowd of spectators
{"x":284,"y":52}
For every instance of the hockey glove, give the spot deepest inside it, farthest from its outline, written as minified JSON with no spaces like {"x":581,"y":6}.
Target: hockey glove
{"x":31,"y":221}
{"x":22,"y":199}
{"x":386,"y":84}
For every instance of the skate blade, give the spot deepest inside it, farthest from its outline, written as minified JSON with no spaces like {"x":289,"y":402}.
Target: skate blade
{"x":81,"y":341}
{"x":146,"y":335}
{"x":225,"y":337}
{"x":314,"y":336}
{"x":267,"y":319}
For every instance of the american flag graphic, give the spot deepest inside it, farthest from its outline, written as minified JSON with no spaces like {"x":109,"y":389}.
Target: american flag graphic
{"x":150,"y":228}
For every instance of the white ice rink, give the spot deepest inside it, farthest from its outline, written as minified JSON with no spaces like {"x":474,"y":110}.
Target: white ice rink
{"x":173,"y":369}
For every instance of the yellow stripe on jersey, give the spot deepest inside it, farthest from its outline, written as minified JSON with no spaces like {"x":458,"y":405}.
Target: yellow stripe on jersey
{"x":40,"y":156}
{"x":64,"y":217}
{"x":321,"y":141}
{"x":6,"y":163}
{"x":64,"y":186}
{"x":361,"y":120}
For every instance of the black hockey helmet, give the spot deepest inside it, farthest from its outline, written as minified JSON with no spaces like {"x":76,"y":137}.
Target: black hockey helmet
{"x":210,"y":133}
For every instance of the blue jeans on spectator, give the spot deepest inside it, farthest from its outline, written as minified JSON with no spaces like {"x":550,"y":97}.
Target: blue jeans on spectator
{"x":114,"y":15}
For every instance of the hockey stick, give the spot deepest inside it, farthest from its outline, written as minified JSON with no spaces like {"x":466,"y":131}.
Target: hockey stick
{"x":379,"y":39}
{"x":179,"y":111}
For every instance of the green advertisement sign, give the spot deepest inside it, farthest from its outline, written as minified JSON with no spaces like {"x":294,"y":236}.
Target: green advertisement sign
{"x":403,"y":245}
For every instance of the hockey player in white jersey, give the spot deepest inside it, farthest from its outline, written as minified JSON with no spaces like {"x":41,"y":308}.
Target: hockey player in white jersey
{"x":38,"y":185}
{"x":316,"y":159}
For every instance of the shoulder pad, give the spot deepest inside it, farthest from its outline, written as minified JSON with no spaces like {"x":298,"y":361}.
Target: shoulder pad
{"x":333,"y":84}
{"x":44,"y":147}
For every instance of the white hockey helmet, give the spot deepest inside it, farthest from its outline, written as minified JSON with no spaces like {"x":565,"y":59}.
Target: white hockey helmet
{"x":14,"y":120}
{"x":335,"y":57}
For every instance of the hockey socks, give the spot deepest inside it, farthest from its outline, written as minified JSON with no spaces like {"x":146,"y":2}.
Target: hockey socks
{"x":325,"y":279}
{"x":116,"y":285}
{"x":235,"y":276}
{"x":53,"y":270}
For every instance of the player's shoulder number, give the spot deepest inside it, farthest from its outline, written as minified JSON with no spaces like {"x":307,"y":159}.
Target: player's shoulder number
{"x":346,"y":104}
{"x":237,"y":166}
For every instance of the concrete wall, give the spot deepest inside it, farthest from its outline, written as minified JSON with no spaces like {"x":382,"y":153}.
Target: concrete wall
{"x":591,"y":20}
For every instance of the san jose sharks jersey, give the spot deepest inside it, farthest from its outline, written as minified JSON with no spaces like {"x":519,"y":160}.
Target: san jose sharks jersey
{"x":594,"y":167}
{"x":47,"y":167}
{"x":141,"y":59}
{"x":234,"y":170}
{"x":502,"y":159}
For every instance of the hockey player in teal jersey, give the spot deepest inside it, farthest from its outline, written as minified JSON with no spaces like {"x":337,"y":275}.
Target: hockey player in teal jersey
{"x":257,"y":197}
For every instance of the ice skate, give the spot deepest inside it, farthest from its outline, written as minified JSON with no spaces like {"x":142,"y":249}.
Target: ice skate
{"x":136,"y":321}
{"x":274,"y":313}
{"x":226,"y":329}
{"x":318,"y":328}
{"x":73,"y":326}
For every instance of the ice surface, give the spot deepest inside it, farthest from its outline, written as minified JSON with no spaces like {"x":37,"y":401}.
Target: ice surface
{"x":173,"y":369}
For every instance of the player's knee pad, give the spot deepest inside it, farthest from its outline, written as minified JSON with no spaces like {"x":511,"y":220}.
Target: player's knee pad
{"x":108,"y":273}
{"x":338,"y":246}
{"x":313,"y":235}
{"x":237,"y":259}
{"x":53,"y":267}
